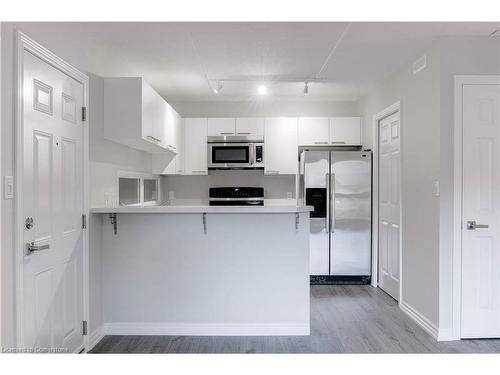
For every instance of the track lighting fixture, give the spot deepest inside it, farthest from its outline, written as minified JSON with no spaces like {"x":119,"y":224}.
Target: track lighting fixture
{"x":262,"y":89}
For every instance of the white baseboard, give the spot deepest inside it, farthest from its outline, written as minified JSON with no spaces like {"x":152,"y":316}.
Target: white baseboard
{"x":95,"y":336}
{"x":202,"y":329}
{"x":421,"y":320}
{"x":447,"y":334}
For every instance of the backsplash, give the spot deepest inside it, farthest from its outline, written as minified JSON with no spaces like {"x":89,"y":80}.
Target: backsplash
{"x":194,"y":189}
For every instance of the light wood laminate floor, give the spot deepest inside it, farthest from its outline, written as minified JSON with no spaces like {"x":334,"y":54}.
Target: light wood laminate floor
{"x":344,"y":319}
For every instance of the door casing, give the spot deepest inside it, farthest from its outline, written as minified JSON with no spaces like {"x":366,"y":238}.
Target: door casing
{"x":25,"y":43}
{"x":396,"y":107}
{"x":456,"y":260}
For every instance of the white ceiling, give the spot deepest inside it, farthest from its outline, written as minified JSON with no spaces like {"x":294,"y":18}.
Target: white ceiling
{"x":164,"y":54}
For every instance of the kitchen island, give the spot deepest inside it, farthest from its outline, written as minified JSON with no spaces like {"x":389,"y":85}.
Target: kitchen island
{"x":204,"y":270}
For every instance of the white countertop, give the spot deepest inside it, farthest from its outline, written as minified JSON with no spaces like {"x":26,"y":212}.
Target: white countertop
{"x":201,"y":209}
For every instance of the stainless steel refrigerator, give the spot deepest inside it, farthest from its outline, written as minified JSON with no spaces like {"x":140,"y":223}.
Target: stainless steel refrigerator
{"x":339,"y":186}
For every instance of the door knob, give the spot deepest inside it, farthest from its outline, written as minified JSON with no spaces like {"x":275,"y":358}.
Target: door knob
{"x":31,"y":248}
{"x":471,"y":225}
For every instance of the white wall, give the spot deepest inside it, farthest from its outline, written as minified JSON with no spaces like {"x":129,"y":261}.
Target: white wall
{"x":427,"y":120}
{"x":419,"y":96}
{"x":265,"y":108}
{"x":194,"y":189}
{"x":7,"y":139}
{"x":459,"y":56}
{"x":106,"y":159}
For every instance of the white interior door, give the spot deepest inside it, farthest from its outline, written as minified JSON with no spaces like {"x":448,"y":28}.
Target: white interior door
{"x":389,"y":203}
{"x":53,"y":198}
{"x":481,"y":193}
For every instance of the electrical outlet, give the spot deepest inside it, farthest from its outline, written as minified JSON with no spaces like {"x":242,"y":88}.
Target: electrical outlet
{"x":289,"y":195}
{"x":171,"y":196}
{"x":8,"y":187}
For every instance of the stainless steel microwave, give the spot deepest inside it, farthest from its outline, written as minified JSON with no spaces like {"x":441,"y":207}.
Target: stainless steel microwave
{"x":235,"y":155}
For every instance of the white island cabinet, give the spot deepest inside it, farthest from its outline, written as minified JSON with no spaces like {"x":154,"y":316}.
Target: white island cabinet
{"x":135,"y":115}
{"x":280,"y":146}
{"x":188,"y":270}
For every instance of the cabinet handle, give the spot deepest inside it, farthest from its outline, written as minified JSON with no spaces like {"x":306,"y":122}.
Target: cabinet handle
{"x":320,"y":143}
{"x":272,"y":172}
{"x":153,"y":138}
{"x":339,"y":142}
{"x":244,"y":133}
{"x":226,"y":133}
{"x":199,"y":172}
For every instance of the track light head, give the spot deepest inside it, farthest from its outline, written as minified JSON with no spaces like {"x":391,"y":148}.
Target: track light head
{"x":217,"y":89}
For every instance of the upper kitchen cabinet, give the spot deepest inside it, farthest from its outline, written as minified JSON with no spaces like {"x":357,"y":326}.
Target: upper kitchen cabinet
{"x":221,"y":127}
{"x":345,"y":131}
{"x":135,"y":115}
{"x":314,"y":131}
{"x":280,"y":146}
{"x":250,"y":127}
{"x":174,"y":140}
{"x":195,"y":146}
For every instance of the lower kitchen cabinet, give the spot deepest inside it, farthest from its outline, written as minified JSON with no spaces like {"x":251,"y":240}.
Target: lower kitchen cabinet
{"x":280,"y":146}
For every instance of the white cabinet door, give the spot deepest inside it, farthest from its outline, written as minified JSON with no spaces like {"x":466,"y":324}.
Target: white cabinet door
{"x":221,"y":126}
{"x":280,"y":147}
{"x":159,"y":121}
{"x":314,"y":131}
{"x":345,"y":131}
{"x":252,"y":127}
{"x":149,"y":112}
{"x":195,"y":146}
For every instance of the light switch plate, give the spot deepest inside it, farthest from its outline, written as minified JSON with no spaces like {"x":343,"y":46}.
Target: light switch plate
{"x":436,"y":188}
{"x":171,"y":196}
{"x":8,"y":187}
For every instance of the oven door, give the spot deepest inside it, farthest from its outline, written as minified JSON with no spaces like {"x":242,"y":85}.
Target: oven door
{"x":230,"y":155}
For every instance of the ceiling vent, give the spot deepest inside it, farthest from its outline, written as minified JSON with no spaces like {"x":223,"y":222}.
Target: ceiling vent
{"x":420,"y":64}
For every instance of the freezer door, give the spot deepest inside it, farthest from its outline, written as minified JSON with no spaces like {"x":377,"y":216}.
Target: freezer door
{"x":316,"y":192}
{"x":351,"y":213}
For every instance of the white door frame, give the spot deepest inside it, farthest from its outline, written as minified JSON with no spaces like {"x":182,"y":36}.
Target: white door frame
{"x":396,"y":107}
{"x":25,"y":43}
{"x":460,"y":81}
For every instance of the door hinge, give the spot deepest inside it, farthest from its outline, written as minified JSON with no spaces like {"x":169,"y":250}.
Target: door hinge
{"x":84,"y":221}
{"x":84,"y":328}
{"x":84,"y":113}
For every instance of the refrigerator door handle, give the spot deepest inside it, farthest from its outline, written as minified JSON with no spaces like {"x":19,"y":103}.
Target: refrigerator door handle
{"x":332,"y":203}
{"x":327,"y":216}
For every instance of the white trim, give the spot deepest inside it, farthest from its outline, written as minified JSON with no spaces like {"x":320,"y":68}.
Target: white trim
{"x":207,"y":329}
{"x":94,"y":337}
{"x":421,"y":320}
{"x":393,"y":108}
{"x":25,"y":43}
{"x":457,"y":196}
{"x":1,"y":176}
